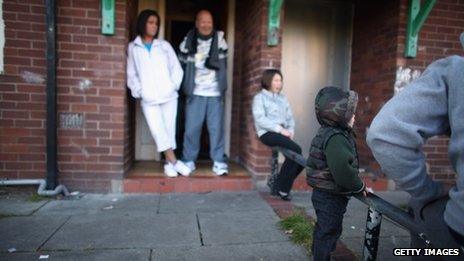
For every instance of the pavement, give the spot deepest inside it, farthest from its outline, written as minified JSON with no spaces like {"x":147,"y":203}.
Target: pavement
{"x":208,"y":226}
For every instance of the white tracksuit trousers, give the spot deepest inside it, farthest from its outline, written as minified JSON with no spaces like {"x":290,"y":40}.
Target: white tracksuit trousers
{"x":161,"y":119}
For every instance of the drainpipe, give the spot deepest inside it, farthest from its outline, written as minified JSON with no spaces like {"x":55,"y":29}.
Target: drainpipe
{"x":48,"y":187}
{"x":52,"y":169}
{"x":42,"y":184}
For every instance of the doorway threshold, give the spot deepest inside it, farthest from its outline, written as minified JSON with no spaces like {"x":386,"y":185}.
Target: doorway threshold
{"x":149,"y":177}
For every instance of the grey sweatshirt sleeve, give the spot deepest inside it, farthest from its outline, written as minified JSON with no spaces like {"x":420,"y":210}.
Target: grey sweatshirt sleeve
{"x":259,"y":116}
{"x":399,"y":131}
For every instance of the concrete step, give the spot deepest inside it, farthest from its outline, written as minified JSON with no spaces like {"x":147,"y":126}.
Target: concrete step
{"x":148,"y":177}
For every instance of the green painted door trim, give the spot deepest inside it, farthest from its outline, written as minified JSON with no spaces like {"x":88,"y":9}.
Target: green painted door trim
{"x":416,"y":18}
{"x":273,"y":22}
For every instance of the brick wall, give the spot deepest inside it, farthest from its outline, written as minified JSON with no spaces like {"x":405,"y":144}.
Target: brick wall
{"x":373,"y":64}
{"x":22,"y":119}
{"x":378,"y":50}
{"x":91,"y":156}
{"x":438,"y":38}
{"x":90,"y":81}
{"x":252,"y":57}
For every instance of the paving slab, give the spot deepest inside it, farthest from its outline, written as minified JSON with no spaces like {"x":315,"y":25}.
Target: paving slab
{"x":113,"y":255}
{"x":212,"y":202}
{"x":133,"y":203}
{"x":263,"y":251}
{"x":27,"y":233}
{"x":87,"y":204}
{"x":240,"y":228}
{"x":18,"y":206}
{"x":131,"y":230}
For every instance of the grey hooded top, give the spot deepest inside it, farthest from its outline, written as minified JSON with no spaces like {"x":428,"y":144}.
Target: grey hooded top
{"x":431,"y":105}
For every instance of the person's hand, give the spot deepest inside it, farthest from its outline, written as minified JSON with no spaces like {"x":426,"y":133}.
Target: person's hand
{"x":291,"y":135}
{"x":367,"y":190}
{"x":286,"y":133}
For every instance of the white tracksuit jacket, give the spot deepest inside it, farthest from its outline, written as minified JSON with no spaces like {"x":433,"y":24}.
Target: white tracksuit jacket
{"x":154,"y":76}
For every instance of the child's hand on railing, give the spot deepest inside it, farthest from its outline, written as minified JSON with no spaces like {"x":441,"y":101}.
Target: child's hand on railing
{"x":367,"y":190}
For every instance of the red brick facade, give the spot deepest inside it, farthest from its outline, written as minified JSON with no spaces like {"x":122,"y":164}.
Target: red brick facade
{"x":91,"y":81}
{"x":252,"y":57}
{"x":22,"y":132}
{"x":378,"y":49}
{"x":438,"y":38}
{"x":373,"y":64}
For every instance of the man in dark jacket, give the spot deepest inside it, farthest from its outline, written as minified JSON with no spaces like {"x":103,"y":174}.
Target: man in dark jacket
{"x":203,"y":54}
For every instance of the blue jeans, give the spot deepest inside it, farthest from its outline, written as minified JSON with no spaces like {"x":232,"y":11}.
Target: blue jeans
{"x":330,"y":209}
{"x":197,"y":110}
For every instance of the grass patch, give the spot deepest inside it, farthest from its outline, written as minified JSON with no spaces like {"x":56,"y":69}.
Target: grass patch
{"x":299,"y":228}
{"x":36,"y":198}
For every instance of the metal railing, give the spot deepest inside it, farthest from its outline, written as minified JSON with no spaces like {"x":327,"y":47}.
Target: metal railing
{"x":376,"y":208}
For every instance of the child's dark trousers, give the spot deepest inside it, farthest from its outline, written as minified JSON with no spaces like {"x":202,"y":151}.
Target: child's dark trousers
{"x":330,"y":209}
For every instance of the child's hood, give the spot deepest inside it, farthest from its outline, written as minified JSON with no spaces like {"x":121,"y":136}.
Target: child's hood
{"x":335,"y":107}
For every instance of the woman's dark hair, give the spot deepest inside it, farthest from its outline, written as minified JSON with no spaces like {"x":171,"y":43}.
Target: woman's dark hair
{"x":268,"y":74}
{"x":142,"y":21}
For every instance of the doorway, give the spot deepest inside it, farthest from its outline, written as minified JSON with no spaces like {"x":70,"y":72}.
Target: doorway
{"x":316,"y":52}
{"x":178,"y":17}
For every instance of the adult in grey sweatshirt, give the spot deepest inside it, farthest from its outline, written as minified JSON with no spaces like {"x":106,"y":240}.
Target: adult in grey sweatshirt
{"x":431,"y":105}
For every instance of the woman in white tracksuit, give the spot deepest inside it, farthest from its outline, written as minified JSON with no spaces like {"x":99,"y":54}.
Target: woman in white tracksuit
{"x":154,"y":74}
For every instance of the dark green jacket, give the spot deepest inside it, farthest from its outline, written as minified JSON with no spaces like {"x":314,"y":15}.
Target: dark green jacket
{"x":333,"y":160}
{"x":342,"y":160}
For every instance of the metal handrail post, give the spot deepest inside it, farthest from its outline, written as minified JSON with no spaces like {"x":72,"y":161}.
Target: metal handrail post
{"x":371,"y":237}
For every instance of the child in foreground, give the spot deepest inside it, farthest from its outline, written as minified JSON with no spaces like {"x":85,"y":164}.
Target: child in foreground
{"x":333,"y":167}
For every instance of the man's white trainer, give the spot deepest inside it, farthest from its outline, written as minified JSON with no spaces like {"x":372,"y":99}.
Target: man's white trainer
{"x":190,"y":165}
{"x":220,"y":168}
